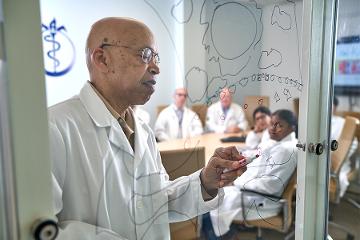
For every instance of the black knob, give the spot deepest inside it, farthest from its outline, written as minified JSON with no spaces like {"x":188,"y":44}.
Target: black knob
{"x":45,"y":229}
{"x":334,"y":145}
{"x":319,"y":149}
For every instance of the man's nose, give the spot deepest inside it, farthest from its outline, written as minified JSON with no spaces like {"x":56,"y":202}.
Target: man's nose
{"x":154,"y":69}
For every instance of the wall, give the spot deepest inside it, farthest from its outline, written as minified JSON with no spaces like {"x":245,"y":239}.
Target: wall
{"x":203,"y":45}
{"x":253,"y":47}
{"x":282,"y":38}
{"x":77,"y":17}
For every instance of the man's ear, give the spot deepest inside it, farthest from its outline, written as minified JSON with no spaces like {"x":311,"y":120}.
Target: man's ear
{"x":100,"y":59}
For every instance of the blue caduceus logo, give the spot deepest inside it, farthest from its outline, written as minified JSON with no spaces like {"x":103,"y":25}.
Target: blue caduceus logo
{"x":59,"y":51}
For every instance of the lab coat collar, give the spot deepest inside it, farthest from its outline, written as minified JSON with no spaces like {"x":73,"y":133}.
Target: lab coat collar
{"x":103,"y":118}
{"x":95,"y":107}
{"x":290,"y":137}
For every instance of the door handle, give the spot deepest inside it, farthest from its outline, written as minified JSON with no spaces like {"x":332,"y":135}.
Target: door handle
{"x":317,"y":148}
{"x":334,"y":145}
{"x":45,"y":229}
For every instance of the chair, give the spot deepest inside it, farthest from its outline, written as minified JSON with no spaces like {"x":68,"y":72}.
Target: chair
{"x":179,"y":163}
{"x":338,"y":158}
{"x":281,"y":222}
{"x":160,"y":108}
{"x":251,"y":103}
{"x":200,"y":110}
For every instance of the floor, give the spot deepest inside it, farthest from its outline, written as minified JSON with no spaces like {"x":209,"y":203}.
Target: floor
{"x":344,"y":213}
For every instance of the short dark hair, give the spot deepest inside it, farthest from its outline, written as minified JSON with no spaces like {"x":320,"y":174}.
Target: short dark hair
{"x":261,"y":109}
{"x":289,"y":117}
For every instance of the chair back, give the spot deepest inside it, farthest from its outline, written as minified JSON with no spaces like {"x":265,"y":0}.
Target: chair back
{"x":200,"y":110}
{"x":288,"y":196}
{"x":159,"y":108}
{"x":345,"y":140}
{"x":182,"y":162}
{"x":252,"y":102}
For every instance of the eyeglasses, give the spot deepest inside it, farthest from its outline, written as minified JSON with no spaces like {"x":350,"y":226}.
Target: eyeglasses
{"x":147,"y":54}
{"x":278,"y":125}
{"x":181,"y":94}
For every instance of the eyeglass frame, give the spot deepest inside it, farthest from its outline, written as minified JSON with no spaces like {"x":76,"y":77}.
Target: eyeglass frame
{"x":154,"y":55}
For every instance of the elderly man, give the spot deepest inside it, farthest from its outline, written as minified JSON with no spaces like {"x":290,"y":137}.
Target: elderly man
{"x":225,"y":116}
{"x":177,"y":121}
{"x":109,"y":182}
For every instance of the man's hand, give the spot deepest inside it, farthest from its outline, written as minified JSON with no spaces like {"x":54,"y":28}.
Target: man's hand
{"x":213,"y":175}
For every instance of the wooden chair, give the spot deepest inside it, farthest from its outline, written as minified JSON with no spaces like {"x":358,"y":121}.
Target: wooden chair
{"x":160,"y":108}
{"x":281,"y":222}
{"x":252,"y":102}
{"x":179,"y":163}
{"x":338,"y":158}
{"x":200,"y":110}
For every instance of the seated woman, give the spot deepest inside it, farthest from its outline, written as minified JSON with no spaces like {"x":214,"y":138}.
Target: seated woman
{"x":267,"y":174}
{"x":262,"y":117}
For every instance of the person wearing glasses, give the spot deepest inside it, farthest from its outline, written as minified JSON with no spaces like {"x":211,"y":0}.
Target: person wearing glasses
{"x":266,"y":177}
{"x":108,"y":179}
{"x":262,"y":117}
{"x":176,"y":120}
{"x":225,"y":116}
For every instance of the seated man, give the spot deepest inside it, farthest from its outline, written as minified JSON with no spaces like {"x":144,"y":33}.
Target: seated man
{"x":177,"y":121}
{"x":337,"y":124}
{"x":268,"y":174}
{"x":262,"y":117}
{"x":225,"y":116}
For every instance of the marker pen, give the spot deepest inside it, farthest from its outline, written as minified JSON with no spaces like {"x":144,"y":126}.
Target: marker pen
{"x":244,"y":163}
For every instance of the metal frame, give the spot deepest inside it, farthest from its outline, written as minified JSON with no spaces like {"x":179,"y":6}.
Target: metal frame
{"x":315,"y":108}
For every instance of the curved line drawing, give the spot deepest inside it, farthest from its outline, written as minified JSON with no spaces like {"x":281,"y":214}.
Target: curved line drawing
{"x":167,"y":30}
{"x":279,"y":18}
{"x":207,"y":18}
{"x":189,"y":12}
{"x":260,"y":24}
{"x":272,"y":58}
{"x":212,"y":33}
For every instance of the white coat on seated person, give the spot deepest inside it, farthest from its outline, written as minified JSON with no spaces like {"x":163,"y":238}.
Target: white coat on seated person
{"x":253,"y":139}
{"x":217,"y":122}
{"x":268,"y":174}
{"x":167,"y":124}
{"x":107,"y":191}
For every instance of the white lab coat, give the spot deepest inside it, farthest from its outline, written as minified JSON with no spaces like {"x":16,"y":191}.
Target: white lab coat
{"x":167,"y":124}
{"x":267,"y":174}
{"x":337,"y":124}
{"x":105,"y":190}
{"x":253,"y":139}
{"x":216,"y":122}
{"x":142,"y":114}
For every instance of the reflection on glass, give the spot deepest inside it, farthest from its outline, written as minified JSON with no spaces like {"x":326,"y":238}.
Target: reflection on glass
{"x":344,"y":185}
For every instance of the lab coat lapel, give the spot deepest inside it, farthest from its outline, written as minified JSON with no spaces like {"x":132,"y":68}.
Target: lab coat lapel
{"x":118,"y":139}
{"x":141,"y":137}
{"x":103,"y":118}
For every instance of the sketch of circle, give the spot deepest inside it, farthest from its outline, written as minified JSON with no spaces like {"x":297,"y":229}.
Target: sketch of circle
{"x":231,"y":43}
{"x":245,"y":106}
